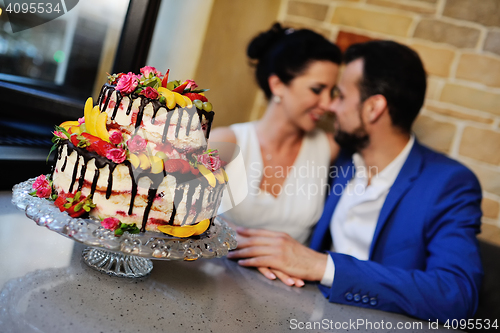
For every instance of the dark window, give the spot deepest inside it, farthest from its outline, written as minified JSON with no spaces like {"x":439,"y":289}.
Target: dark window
{"x":48,"y":71}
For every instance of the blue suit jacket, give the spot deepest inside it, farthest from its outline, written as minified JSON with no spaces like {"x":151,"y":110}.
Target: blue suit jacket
{"x":424,"y":259}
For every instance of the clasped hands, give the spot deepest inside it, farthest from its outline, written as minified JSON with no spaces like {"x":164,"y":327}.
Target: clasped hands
{"x":277,"y":255}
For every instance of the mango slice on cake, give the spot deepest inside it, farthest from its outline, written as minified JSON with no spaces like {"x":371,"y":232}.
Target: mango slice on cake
{"x":185,"y":231}
{"x":67,"y":124}
{"x":169,"y":97}
{"x":188,"y":101}
{"x":100,"y":126}
{"x":208,"y":175}
{"x":134,"y":160}
{"x":179,"y":99}
{"x":91,"y":120}
{"x":156,"y":164}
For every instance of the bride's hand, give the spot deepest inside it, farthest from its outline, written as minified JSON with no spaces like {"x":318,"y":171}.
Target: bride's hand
{"x":272,"y":274}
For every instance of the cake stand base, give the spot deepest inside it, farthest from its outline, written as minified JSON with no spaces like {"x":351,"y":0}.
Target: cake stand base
{"x":117,"y":264}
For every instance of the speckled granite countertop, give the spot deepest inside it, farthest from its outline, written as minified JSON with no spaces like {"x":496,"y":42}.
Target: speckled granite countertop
{"x":45,"y":287}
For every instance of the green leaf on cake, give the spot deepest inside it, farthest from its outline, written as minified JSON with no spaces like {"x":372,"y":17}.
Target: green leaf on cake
{"x":130,"y":228}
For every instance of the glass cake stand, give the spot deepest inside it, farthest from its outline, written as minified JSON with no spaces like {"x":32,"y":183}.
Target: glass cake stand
{"x":130,"y":254}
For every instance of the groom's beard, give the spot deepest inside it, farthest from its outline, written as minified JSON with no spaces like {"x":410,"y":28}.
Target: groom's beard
{"x":355,"y":141}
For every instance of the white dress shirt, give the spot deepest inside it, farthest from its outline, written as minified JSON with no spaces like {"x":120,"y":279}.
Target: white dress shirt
{"x":356,"y":215}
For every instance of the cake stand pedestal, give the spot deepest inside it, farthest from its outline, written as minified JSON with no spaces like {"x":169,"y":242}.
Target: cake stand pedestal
{"x":116,"y":264}
{"x":130,"y":254}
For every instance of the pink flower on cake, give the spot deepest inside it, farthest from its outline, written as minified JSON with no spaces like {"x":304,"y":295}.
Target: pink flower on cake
{"x":127,"y":83}
{"x":116,"y":155}
{"x":42,"y":187}
{"x":148,"y":70}
{"x":211,"y":161}
{"x":191,"y":85}
{"x":110,"y":223}
{"x":81,"y":120}
{"x":136,"y":144}
{"x":116,"y":137}
{"x":60,"y":134}
{"x":149,"y":93}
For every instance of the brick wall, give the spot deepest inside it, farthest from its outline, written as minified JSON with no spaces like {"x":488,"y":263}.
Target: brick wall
{"x":459,"y":42}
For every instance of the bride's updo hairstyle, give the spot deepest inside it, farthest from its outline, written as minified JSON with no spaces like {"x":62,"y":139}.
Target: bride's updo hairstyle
{"x":286,"y":53}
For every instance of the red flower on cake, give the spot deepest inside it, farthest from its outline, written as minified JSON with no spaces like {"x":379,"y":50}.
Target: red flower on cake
{"x":127,"y":83}
{"x":81,"y":120}
{"x":148,"y":70}
{"x":210,"y":160}
{"x":116,"y":137}
{"x":116,"y":155}
{"x":42,"y":187}
{"x":136,"y":144}
{"x":110,"y":223}
{"x":149,"y":93}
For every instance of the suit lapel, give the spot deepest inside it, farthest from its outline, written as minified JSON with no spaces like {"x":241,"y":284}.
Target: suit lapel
{"x":344,"y":171}
{"x":409,"y":172}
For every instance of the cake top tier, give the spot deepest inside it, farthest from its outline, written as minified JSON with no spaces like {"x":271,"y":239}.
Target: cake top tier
{"x":152,"y":84}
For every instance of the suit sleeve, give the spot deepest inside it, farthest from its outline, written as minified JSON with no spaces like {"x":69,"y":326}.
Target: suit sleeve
{"x":447,"y":288}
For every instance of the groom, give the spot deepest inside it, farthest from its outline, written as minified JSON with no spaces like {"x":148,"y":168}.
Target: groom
{"x":401,"y":235}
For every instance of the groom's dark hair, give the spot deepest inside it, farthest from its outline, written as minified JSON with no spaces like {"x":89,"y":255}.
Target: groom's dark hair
{"x":394,"y":71}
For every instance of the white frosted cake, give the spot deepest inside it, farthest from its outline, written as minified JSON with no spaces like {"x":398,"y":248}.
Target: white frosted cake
{"x":138,"y":159}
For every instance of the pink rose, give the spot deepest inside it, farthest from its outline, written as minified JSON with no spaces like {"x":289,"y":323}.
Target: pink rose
{"x":110,"y":223}
{"x":42,"y":187}
{"x":211,"y":160}
{"x":81,"y":120}
{"x":60,"y":134}
{"x":191,"y":85}
{"x":44,"y":192}
{"x":149,"y":93}
{"x":116,"y":155}
{"x":148,"y":70}
{"x":116,"y":137}
{"x":136,"y":144}
{"x":127,"y":83}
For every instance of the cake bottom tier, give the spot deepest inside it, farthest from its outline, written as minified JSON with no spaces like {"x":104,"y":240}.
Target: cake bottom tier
{"x":135,"y":196}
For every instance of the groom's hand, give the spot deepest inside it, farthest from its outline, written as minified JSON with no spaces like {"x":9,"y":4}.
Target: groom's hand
{"x":279,"y":252}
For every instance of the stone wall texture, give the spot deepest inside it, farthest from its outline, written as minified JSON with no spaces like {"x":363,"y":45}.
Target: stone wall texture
{"x":459,"y":43}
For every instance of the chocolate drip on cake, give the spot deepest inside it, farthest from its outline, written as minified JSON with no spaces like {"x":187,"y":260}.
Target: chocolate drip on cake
{"x":119,"y":98}
{"x":151,"y":198}
{"x":108,"y":97}
{"x":167,"y":126}
{"x":210,"y":118}
{"x":192,"y":189}
{"x":156,"y":106}
{"x":82,"y":174}
{"x":140,"y":114}
{"x":156,"y":181}
{"x":218,"y":198}
{"x":112,"y":167}
{"x":180,"y":111}
{"x":99,"y":100}
{"x":199,"y":202}
{"x":129,"y":107}
{"x":179,"y":194}
{"x":94,"y":181}
{"x":73,"y":178}
{"x":191,"y":113}
{"x":134,"y":188}
{"x":59,"y":151}
{"x":65,"y":162}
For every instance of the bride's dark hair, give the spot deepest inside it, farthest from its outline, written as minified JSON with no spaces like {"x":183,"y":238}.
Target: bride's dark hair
{"x":286,"y":53}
